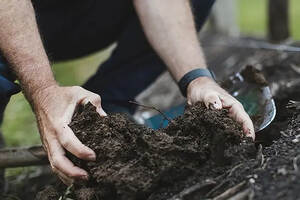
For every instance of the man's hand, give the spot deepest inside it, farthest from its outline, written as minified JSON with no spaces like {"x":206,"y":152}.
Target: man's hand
{"x":21,"y":45}
{"x":208,"y":91}
{"x":170,"y":29}
{"x":54,"y":107}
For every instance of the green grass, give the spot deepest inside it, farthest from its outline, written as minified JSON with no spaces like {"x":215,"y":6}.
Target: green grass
{"x":295,"y":16}
{"x":252,"y":17}
{"x":19,"y":125}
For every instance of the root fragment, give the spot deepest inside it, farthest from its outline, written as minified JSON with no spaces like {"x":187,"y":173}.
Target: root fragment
{"x":153,"y":108}
{"x":231,"y":191}
{"x":260,"y":156}
{"x":197,"y":188}
{"x":242,"y":195}
{"x":295,"y":163}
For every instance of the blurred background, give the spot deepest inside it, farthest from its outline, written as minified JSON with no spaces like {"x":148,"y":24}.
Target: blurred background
{"x":19,"y":125}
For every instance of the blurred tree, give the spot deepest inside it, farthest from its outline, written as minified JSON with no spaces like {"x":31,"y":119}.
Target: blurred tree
{"x":223,"y":18}
{"x":278,"y":23}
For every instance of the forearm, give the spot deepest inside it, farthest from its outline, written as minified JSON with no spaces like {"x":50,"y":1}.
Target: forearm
{"x":169,"y":27}
{"x":21,"y":44}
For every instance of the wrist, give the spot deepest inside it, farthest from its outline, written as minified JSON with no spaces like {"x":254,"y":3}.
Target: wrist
{"x":35,"y":77}
{"x":201,"y":81}
{"x":196,"y":75}
{"x":38,"y":95}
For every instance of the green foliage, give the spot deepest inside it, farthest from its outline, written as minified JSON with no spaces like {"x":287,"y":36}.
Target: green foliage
{"x":294,"y":17}
{"x":252,"y":17}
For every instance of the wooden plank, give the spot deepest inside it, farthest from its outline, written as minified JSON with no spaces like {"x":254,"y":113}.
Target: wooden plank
{"x":21,"y":157}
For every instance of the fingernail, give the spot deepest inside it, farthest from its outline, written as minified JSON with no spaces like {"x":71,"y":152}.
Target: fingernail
{"x":85,"y":177}
{"x":101,"y":112}
{"x":250,"y":136}
{"x":92,"y":157}
{"x":249,"y":133}
{"x":217,"y":106}
{"x":85,"y":101}
{"x":212,"y":106}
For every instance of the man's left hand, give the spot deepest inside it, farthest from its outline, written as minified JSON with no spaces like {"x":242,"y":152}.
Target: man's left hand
{"x":206,"y":90}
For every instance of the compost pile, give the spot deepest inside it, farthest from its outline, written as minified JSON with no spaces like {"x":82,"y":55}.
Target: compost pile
{"x":201,"y":155}
{"x":135,"y":162}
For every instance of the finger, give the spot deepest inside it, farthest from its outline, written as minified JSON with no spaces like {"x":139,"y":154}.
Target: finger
{"x":242,"y":117}
{"x":227,"y":101}
{"x":66,"y":180}
{"x":72,"y":144}
{"x":249,"y":128}
{"x":212,"y":101}
{"x":237,"y":112}
{"x":96,"y":101}
{"x":61,"y":163}
{"x":101,"y":111}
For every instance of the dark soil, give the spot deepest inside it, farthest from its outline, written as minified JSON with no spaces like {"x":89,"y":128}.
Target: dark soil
{"x":133,"y":162}
{"x":270,"y":171}
{"x":49,"y":193}
{"x":196,"y":157}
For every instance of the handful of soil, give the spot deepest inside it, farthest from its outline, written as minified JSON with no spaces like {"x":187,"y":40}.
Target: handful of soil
{"x":134,"y":161}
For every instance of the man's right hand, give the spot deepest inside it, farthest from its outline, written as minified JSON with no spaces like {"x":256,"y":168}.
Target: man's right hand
{"x":21,"y":45}
{"x":54,"y":107}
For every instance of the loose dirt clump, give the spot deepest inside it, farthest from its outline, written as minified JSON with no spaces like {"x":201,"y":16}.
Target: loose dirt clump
{"x":49,"y":193}
{"x":253,"y":75}
{"x":133,"y":162}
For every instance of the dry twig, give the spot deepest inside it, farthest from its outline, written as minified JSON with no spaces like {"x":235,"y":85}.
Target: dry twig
{"x":242,"y":195}
{"x":211,"y":193}
{"x":293,"y":105}
{"x":260,"y":156}
{"x":234,"y":168}
{"x":195,"y":188}
{"x":295,"y":163}
{"x":153,"y":108}
{"x":231,"y":191}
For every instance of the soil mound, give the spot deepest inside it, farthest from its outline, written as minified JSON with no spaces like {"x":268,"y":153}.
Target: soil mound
{"x":133,"y":162}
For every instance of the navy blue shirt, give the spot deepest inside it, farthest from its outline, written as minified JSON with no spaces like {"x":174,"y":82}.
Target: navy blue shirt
{"x":7,"y":85}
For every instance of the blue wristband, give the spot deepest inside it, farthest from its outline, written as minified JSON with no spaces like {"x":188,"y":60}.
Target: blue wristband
{"x":192,"y":75}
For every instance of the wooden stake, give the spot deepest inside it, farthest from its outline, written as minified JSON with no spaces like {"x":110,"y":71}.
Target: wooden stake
{"x":278,"y":21}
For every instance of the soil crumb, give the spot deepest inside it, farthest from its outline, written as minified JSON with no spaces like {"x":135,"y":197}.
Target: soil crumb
{"x":253,"y":75}
{"x":134,"y":161}
{"x":49,"y":193}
